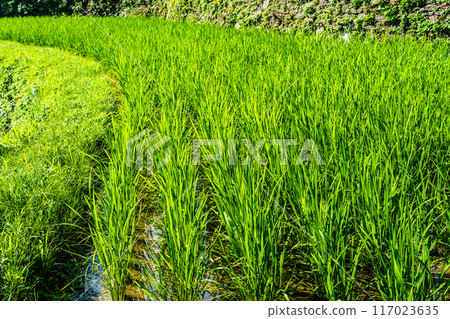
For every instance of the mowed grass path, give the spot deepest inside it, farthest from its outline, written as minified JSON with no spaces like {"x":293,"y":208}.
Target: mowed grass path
{"x":372,"y":223}
{"x":53,"y":118}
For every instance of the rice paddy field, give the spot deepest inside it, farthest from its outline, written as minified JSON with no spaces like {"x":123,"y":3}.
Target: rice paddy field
{"x":368,"y":219}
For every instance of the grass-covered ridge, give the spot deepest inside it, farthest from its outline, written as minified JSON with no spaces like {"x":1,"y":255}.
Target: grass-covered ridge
{"x":53,"y":115}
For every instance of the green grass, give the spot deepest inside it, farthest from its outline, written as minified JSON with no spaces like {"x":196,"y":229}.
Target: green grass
{"x":370,"y":223}
{"x":53,"y":113}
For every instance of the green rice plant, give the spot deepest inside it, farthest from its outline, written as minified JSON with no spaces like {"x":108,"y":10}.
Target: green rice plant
{"x":114,"y":218}
{"x":180,"y":259}
{"x":182,"y":254}
{"x":253,"y":245}
{"x":404,"y":269}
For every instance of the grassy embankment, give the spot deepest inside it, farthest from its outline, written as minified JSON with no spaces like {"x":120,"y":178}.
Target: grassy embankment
{"x":53,"y":119}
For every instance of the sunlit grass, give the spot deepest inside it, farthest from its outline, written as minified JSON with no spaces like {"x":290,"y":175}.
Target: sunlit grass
{"x":53,"y":112}
{"x":371,"y":223}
